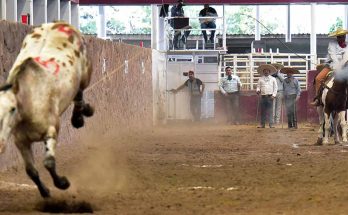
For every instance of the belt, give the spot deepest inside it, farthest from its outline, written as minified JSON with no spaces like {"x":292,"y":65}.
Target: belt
{"x":233,"y":92}
{"x":266,"y":95}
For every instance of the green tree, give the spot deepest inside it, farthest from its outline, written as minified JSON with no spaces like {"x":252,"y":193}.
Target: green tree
{"x":114,"y":26}
{"x":338,"y":24}
{"x":88,"y":24}
{"x":240,"y":22}
{"x":89,"y":28}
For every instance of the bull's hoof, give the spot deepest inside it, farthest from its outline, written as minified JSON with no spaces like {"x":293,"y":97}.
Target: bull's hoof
{"x":62,"y":183}
{"x":88,"y":110}
{"x":77,"y":121}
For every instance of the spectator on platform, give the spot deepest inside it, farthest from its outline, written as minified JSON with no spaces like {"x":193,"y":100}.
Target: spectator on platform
{"x":230,"y":86}
{"x":177,"y":11}
{"x":196,"y":89}
{"x":278,"y":101}
{"x":292,"y":92}
{"x":208,"y":22}
{"x":267,"y":89}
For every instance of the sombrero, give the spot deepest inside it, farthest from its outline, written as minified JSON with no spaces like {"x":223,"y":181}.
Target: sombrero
{"x":338,"y":32}
{"x":278,"y":66}
{"x":269,"y":67}
{"x":289,"y":70}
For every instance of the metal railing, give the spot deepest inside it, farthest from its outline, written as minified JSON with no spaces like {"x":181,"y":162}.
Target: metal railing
{"x":245,"y":66}
{"x":199,"y":43}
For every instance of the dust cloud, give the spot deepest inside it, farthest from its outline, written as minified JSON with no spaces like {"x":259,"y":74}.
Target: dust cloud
{"x":102,"y":168}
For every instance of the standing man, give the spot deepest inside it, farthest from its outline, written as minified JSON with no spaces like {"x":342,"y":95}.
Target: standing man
{"x":335,"y":57}
{"x":278,"y":101}
{"x":178,"y":11}
{"x":230,"y":86}
{"x":208,"y":22}
{"x":267,"y":88}
{"x":292,"y":93}
{"x":196,"y":89}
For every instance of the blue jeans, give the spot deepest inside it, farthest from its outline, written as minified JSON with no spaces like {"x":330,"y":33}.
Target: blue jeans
{"x":211,"y":25}
{"x":266,"y":103}
{"x":195,"y":107}
{"x":290,"y":103}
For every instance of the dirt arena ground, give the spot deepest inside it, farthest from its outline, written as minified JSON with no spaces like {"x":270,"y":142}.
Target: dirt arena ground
{"x":193,"y":169}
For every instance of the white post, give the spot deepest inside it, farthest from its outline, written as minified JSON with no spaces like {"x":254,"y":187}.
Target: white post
{"x":39,"y":12}
{"x":257,"y":24}
{"x":3,"y":9}
{"x":288,"y":25}
{"x":65,"y":11}
{"x":11,"y":10}
{"x":155,"y":43}
{"x":345,"y":20}
{"x":313,"y":38}
{"x":224,"y":45}
{"x":101,"y":30}
{"x":53,"y":6}
{"x":75,"y":15}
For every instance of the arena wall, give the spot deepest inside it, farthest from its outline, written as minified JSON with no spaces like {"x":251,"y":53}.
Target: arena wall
{"x":122,"y":98}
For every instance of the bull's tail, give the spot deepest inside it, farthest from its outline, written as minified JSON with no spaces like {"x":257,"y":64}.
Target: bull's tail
{"x":15,"y":75}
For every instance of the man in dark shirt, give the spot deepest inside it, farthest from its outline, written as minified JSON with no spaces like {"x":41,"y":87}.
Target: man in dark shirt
{"x":208,"y":22}
{"x":177,"y":11}
{"x":196,"y":88}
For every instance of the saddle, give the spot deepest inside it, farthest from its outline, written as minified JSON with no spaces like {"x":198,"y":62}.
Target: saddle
{"x":323,"y":85}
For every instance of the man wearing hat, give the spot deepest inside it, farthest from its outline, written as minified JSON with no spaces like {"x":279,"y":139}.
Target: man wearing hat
{"x":278,"y":101}
{"x":336,"y":51}
{"x":267,"y":88}
{"x":196,"y":89}
{"x":292,"y":93}
{"x":178,"y":11}
{"x":230,"y":87}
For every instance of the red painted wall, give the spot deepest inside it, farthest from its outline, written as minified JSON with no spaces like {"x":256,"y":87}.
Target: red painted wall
{"x":249,"y":108}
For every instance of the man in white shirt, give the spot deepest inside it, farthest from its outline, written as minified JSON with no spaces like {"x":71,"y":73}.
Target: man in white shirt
{"x":267,"y":88}
{"x":336,"y":59}
{"x":278,"y":101}
{"x":230,"y":87}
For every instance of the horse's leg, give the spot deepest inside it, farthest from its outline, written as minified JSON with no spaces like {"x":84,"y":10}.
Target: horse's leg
{"x":326,"y":128}
{"x":343,"y":123}
{"x":335,"y":128}
{"x":321,"y":126}
{"x":80,"y":109}
{"x":25,"y":150}
{"x":60,"y":182}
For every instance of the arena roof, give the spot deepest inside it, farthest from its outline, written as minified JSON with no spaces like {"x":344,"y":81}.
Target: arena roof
{"x":142,"y":2}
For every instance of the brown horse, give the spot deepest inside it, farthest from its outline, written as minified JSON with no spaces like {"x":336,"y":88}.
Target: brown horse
{"x":334,"y":100}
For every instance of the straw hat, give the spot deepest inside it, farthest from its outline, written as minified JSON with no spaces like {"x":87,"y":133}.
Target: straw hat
{"x":278,"y":66}
{"x":269,"y":67}
{"x":338,"y":32}
{"x":289,"y":70}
